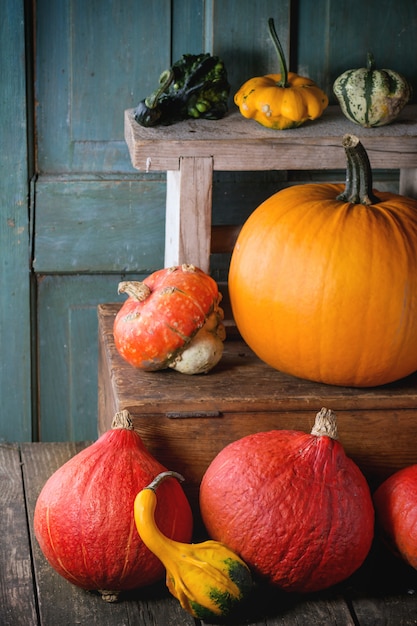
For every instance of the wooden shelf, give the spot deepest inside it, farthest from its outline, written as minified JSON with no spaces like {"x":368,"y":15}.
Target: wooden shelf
{"x":192,"y":150}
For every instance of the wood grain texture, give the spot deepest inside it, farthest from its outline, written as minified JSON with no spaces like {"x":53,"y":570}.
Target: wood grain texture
{"x":348,"y":29}
{"x":99,"y":226}
{"x":18,"y":604}
{"x":238,"y":144}
{"x":67,"y":318}
{"x":380,"y":592}
{"x":15,"y":339}
{"x":185,"y":421}
{"x":188,"y":212}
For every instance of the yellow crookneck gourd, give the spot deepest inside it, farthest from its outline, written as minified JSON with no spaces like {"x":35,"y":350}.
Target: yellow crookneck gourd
{"x":280,"y":101}
{"x":208,"y":579}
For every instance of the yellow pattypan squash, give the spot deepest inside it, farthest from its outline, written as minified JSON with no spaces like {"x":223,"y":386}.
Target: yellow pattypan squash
{"x":281,"y":101}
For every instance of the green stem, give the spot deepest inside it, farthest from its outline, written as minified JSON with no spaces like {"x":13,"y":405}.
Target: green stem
{"x":280,"y":52}
{"x":370,"y":62}
{"x":161,"y":477}
{"x":165,"y":80}
{"x":358,"y":187}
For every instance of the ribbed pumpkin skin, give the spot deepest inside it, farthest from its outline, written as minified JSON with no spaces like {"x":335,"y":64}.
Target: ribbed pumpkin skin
{"x":396,"y":509}
{"x":292,"y":505}
{"x":326,"y":290}
{"x":371,"y":97}
{"x":84,"y":520}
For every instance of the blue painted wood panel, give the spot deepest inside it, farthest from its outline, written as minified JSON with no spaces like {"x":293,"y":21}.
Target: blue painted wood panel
{"x":15,"y":321}
{"x":103,"y":226}
{"x":95,"y":218}
{"x":94,"y":59}
{"x":335,"y":35}
{"x":68,"y":352}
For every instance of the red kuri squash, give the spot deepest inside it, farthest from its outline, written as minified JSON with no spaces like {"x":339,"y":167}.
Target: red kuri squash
{"x":396,"y":510}
{"x":323,"y":280}
{"x":171,"y":319}
{"x":292,"y":505}
{"x":84,"y":519}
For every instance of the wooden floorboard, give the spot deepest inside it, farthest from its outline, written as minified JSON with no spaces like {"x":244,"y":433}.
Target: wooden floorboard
{"x":382,"y":593}
{"x":17,"y":605}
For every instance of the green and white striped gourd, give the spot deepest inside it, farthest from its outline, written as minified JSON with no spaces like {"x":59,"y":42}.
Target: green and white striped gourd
{"x":371,"y":97}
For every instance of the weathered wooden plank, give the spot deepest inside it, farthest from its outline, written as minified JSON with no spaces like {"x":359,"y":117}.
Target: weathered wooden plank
{"x":188,"y":210}
{"x":408,"y":183}
{"x":226,"y":387}
{"x":15,"y":343}
{"x":99,"y":226}
{"x":335,"y":36}
{"x":315,"y":145}
{"x":91,"y":60}
{"x":187,"y":19}
{"x":60,"y":602}
{"x":17,"y":597}
{"x":185,"y":423}
{"x":67,"y":326}
{"x":276,"y":608}
{"x":241,"y":39}
{"x":384,"y":590}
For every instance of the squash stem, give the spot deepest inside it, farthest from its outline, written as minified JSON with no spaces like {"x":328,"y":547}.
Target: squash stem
{"x":280,"y":52}
{"x":162,"y":476}
{"x":165,"y":80}
{"x":122,"y":419}
{"x":135,"y":289}
{"x":370,"y":62}
{"x":358,"y":186}
{"x":325,"y":424}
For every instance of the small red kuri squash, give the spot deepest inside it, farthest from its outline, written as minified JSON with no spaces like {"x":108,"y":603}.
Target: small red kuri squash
{"x":396,"y":511}
{"x":323,"y":280}
{"x":171,"y":319}
{"x":84,"y":519}
{"x":292,"y":505}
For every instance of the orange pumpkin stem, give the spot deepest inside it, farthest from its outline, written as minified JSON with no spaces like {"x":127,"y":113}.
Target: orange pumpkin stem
{"x":358,"y":186}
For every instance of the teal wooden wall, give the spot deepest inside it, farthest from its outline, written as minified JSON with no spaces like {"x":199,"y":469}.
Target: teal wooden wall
{"x":93,"y":219}
{"x":15,"y":323}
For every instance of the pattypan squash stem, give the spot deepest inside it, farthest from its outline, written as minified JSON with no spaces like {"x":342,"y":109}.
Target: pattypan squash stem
{"x":358,"y":187}
{"x":280,"y":52}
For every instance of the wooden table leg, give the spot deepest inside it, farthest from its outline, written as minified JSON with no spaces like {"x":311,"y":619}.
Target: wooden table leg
{"x":408,"y":182}
{"x":188,"y":213}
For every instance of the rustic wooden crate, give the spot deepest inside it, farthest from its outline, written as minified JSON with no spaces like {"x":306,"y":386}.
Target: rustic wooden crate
{"x":186,"y":420}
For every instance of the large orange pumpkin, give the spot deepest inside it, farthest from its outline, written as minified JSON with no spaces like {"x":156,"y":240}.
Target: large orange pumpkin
{"x":323,"y":280}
